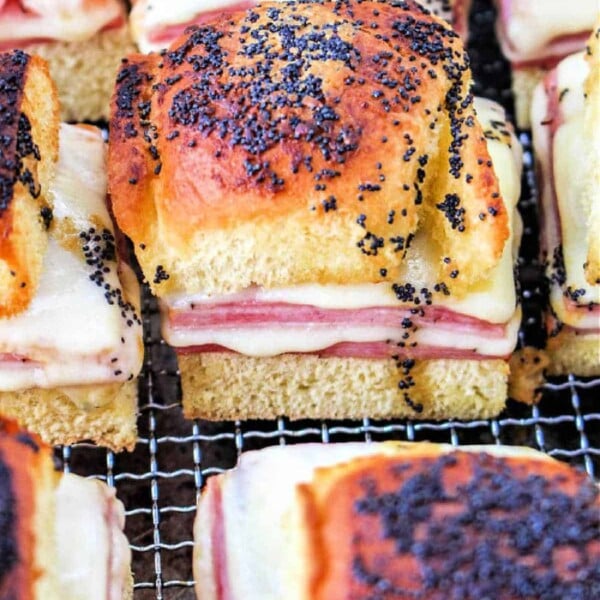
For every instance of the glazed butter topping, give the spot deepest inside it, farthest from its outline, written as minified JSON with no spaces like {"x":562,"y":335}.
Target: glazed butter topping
{"x":81,"y":326}
{"x":532,"y":529}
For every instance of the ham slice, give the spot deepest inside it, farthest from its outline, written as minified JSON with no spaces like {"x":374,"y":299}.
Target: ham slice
{"x":266,"y":314}
{"x":403,"y":326}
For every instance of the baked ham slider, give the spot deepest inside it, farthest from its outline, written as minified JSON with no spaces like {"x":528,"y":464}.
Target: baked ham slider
{"x":61,"y":536}
{"x":397,"y":520}
{"x":313,"y":198}
{"x":83,"y":42}
{"x":565,"y":116}
{"x":70,"y":333}
{"x":155,"y":24}
{"x":535,"y":35}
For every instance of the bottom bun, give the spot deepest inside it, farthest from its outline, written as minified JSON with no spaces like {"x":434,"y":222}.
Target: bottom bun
{"x":227,"y":386}
{"x":84,"y":72}
{"x":104,"y":414}
{"x":573,"y":352}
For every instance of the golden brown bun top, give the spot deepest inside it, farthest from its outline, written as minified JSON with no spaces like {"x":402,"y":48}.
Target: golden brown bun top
{"x":28,"y":152}
{"x":459,"y":525}
{"x":24,"y":460}
{"x":322,"y":111}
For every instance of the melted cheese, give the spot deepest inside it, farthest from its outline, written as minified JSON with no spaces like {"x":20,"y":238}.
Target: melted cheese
{"x":70,"y":331}
{"x":151,"y":16}
{"x":494,"y":300}
{"x":92,"y":552}
{"x":528,"y":26}
{"x":62,"y":20}
{"x":570,"y":181}
{"x":279,"y":339}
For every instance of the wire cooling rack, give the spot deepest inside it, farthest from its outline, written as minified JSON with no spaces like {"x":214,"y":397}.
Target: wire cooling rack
{"x":160,"y":481}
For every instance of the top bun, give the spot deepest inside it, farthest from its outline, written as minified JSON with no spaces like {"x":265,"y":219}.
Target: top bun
{"x":28,"y":153}
{"x":304,"y":142}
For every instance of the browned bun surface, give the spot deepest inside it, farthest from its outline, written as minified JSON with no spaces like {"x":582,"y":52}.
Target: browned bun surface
{"x":462,"y":525}
{"x":304,"y":142}
{"x":27,"y":482}
{"x":28,"y":152}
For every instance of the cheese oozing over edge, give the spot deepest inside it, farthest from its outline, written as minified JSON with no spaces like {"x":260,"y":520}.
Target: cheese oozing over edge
{"x":493,"y":301}
{"x":59,"y":20}
{"x":529,"y":26}
{"x":93,"y":554}
{"x":276,"y":567}
{"x":572,"y":198}
{"x":81,"y":327}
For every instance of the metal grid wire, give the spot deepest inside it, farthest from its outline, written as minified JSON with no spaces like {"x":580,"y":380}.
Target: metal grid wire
{"x":160,"y":481}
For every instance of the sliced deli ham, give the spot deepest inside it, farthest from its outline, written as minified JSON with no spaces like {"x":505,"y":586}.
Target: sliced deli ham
{"x":265,"y":314}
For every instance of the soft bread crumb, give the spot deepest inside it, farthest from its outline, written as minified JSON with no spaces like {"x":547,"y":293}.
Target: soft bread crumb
{"x":572,"y":352}
{"x":225,"y":386}
{"x":109,"y":420}
{"x":527,"y":367}
{"x":85,"y":72}
{"x":524,"y":81}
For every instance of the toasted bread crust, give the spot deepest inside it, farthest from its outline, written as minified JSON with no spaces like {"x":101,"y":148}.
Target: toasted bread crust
{"x":29,"y":135}
{"x":412,"y":518}
{"x":27,"y":482}
{"x":358,"y":142}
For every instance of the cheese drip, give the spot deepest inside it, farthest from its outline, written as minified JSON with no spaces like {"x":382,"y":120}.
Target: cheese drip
{"x":76,"y":331}
{"x":572,"y":207}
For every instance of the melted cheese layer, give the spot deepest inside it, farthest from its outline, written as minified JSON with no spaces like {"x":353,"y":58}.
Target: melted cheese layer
{"x":493,"y":300}
{"x":70,"y":333}
{"x":530,"y":25}
{"x":62,"y":20}
{"x":93,"y":554}
{"x":570,"y":185}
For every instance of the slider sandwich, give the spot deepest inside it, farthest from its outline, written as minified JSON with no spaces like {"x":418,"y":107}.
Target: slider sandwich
{"x":397,"y":521}
{"x":326,"y":217}
{"x":535,"y":35}
{"x":565,"y":117}
{"x":155,"y":24}
{"x":83,"y":42}
{"x":61,"y":536}
{"x":70,"y":332}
